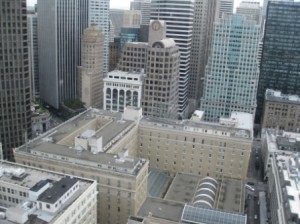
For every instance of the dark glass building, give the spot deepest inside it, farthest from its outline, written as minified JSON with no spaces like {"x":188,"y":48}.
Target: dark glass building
{"x":15,"y":92}
{"x":280,"y":64}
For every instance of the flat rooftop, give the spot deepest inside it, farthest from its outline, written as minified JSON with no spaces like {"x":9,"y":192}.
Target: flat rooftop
{"x":161,"y":208}
{"x":229,"y":193}
{"x":289,"y":167}
{"x":276,"y":96}
{"x":59,"y":143}
{"x":31,"y":178}
{"x":183,"y":188}
{"x":241,"y":132}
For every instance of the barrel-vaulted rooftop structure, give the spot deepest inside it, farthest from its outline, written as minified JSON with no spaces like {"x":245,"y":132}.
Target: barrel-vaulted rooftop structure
{"x":206,"y":192}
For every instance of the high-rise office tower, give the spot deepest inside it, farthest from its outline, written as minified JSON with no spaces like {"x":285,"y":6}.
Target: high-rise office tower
{"x":178,"y":15}
{"x":33,"y":54}
{"x":90,"y":75}
{"x":116,"y":16}
{"x":265,"y":4}
{"x":160,"y":60}
{"x":111,"y":32}
{"x":15,"y":91}
{"x":132,"y":18}
{"x":232,"y":71}
{"x":201,"y":42}
{"x":224,"y":7}
{"x":98,"y":15}
{"x":59,"y":47}
{"x":144,"y":6}
{"x":280,"y":63}
{"x":59,"y":44}
{"x":130,"y":31}
{"x":251,"y":9}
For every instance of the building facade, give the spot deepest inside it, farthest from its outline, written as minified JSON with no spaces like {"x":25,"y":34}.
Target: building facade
{"x":224,"y":7}
{"x":200,"y":148}
{"x":283,"y":191}
{"x":281,"y":111}
{"x":266,"y":2}
{"x":33,"y":55}
{"x":144,"y":6}
{"x":15,"y":93}
{"x":98,"y":15}
{"x":179,"y":24}
{"x":60,"y":47}
{"x":91,"y":71}
{"x":129,"y":34}
{"x":160,"y":96}
{"x":114,"y":53}
{"x":33,"y":195}
{"x":122,"y":89}
{"x":132,"y":18}
{"x":116,"y":16}
{"x":279,"y":68}
{"x":204,"y":14}
{"x":231,"y":76}
{"x":159,"y":58}
{"x":250,"y":9}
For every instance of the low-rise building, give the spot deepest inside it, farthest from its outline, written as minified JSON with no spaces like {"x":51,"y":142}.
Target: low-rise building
{"x":283,"y":188}
{"x":201,"y":148}
{"x":84,"y":146}
{"x":114,"y":149}
{"x":122,"y":89}
{"x":281,"y":111}
{"x":274,"y":141}
{"x":34,"y":196}
{"x":188,"y":197}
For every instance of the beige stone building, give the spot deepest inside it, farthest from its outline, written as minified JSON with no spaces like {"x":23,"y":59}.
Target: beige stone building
{"x":84,"y":146}
{"x":281,"y":111}
{"x":202,"y":148}
{"x":107,"y":147}
{"x":32,"y":195}
{"x":90,"y":73}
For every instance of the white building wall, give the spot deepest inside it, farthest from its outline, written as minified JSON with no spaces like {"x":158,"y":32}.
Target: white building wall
{"x":122,"y":89}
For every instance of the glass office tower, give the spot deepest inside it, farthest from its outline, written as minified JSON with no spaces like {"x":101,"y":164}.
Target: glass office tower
{"x":280,"y":64}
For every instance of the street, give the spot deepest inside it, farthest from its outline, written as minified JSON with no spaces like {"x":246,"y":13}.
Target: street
{"x":255,"y":180}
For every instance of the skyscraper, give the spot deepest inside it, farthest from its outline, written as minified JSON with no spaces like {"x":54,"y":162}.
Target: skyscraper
{"x":251,"y":9}
{"x":90,"y":77}
{"x":98,"y":15}
{"x":224,"y":7}
{"x":33,"y":54}
{"x":116,"y":16}
{"x":60,"y":26}
{"x":144,"y":6}
{"x":232,"y":71}
{"x":280,"y":63}
{"x":266,"y":2}
{"x":178,"y":15}
{"x":160,"y":60}
{"x":201,"y":46}
{"x":15,"y":92}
